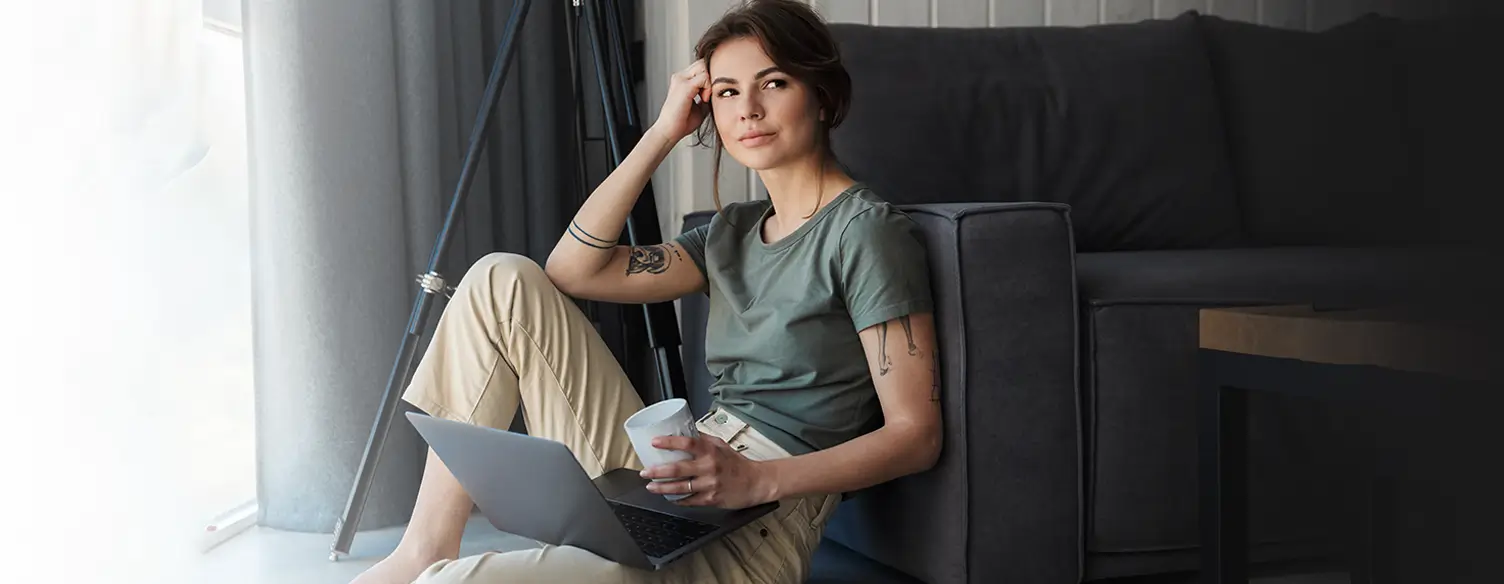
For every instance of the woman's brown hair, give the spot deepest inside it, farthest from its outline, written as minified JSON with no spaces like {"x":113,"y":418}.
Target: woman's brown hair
{"x":797,"y":40}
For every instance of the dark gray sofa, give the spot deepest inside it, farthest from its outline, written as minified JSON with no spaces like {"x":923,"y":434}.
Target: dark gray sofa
{"x":1083,"y":192}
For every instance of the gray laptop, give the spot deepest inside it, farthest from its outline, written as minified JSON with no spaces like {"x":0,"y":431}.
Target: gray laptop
{"x":535,"y":488}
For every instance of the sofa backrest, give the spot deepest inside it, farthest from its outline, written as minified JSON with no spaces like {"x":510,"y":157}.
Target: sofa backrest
{"x":1454,"y":106}
{"x":1121,"y":121}
{"x":1316,"y":132}
{"x":1377,"y":131}
{"x":1195,"y":132}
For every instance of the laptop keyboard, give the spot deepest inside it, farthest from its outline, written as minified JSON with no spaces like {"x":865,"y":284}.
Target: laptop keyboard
{"x":659,"y":534}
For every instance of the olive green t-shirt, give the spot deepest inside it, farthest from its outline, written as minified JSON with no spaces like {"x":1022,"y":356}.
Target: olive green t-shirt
{"x":781,"y":337}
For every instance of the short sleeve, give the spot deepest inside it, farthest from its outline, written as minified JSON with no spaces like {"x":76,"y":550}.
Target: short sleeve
{"x":693,"y":242}
{"x":884,"y":270}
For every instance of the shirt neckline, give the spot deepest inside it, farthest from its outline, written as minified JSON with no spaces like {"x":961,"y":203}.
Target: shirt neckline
{"x":798,"y":233}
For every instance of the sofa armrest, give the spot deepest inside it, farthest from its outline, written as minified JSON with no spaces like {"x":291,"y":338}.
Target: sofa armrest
{"x":1003,"y":504}
{"x":693,"y":312}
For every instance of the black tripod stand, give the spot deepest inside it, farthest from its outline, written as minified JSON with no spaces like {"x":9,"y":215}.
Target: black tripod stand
{"x":608,"y":46}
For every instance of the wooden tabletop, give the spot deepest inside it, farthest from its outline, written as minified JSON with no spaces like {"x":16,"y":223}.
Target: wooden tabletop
{"x":1380,"y":337}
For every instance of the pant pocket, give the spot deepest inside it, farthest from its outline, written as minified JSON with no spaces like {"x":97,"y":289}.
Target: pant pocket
{"x":821,"y":516}
{"x":749,"y":554}
{"x":789,"y":510}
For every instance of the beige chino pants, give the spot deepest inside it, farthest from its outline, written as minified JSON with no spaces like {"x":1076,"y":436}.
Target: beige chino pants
{"x":509,"y":338}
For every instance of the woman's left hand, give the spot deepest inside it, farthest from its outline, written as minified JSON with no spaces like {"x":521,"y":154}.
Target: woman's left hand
{"x":720,"y":476}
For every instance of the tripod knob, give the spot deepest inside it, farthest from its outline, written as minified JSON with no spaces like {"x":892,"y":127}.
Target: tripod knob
{"x":433,"y":283}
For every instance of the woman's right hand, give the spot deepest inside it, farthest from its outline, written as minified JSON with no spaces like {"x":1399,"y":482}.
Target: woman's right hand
{"x":680,"y":114}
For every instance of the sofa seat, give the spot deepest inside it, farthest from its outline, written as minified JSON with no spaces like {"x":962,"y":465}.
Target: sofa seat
{"x":1323,"y":275}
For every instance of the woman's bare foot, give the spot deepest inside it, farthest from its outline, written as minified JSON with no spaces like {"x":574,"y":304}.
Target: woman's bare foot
{"x":433,"y":534}
{"x":399,"y":568}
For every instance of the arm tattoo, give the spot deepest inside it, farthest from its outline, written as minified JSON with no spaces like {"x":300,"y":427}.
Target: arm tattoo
{"x":653,"y":259}
{"x":935,"y":371}
{"x":575,"y":225}
{"x":884,"y":364}
{"x":908,"y":332}
{"x":577,"y":237}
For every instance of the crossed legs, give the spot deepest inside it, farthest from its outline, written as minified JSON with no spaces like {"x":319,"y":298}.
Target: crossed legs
{"x":509,"y":339}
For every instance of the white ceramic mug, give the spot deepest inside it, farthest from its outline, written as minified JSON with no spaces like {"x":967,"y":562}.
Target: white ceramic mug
{"x":666,"y":418}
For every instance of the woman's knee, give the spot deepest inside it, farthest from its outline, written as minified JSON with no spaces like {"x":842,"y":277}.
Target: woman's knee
{"x":502,"y":269}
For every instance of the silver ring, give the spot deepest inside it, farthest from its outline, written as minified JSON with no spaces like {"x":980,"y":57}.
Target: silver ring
{"x":691,"y":484}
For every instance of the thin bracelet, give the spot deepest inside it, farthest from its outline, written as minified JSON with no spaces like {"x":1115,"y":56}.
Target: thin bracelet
{"x":577,"y":227}
{"x":579,"y":239}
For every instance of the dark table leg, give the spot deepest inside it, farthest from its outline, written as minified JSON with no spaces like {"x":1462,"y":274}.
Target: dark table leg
{"x":1439,"y":410}
{"x":1370,"y":557}
{"x":1360,"y":569}
{"x":1224,"y":481}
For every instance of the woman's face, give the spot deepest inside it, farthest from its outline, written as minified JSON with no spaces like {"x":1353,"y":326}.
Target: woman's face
{"x":764,"y":116}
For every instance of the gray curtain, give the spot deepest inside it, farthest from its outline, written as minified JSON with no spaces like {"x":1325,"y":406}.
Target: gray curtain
{"x":360,"y":112}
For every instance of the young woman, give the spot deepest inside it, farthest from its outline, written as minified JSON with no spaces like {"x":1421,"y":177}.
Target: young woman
{"x":820,"y":333}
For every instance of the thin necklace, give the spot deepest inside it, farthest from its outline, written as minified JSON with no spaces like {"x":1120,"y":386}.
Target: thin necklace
{"x":819,"y":192}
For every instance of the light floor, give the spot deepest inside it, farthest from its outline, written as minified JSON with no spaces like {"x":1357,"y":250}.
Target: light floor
{"x":268,"y":556}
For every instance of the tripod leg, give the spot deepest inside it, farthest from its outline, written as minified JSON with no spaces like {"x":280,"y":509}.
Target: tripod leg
{"x":345,"y":527}
{"x":663,"y":334}
{"x":617,"y":37}
{"x":576,"y":93}
{"x":642,"y":224}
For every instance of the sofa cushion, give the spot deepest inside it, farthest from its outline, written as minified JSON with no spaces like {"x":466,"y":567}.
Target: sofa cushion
{"x":1332,"y":276}
{"x":1120,"y":121}
{"x":1316,"y":134}
{"x":1454,"y":120}
{"x":1139,"y":380}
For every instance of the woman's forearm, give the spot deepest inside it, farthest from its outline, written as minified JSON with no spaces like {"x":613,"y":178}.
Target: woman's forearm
{"x":585,"y":246}
{"x":873,"y":458}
